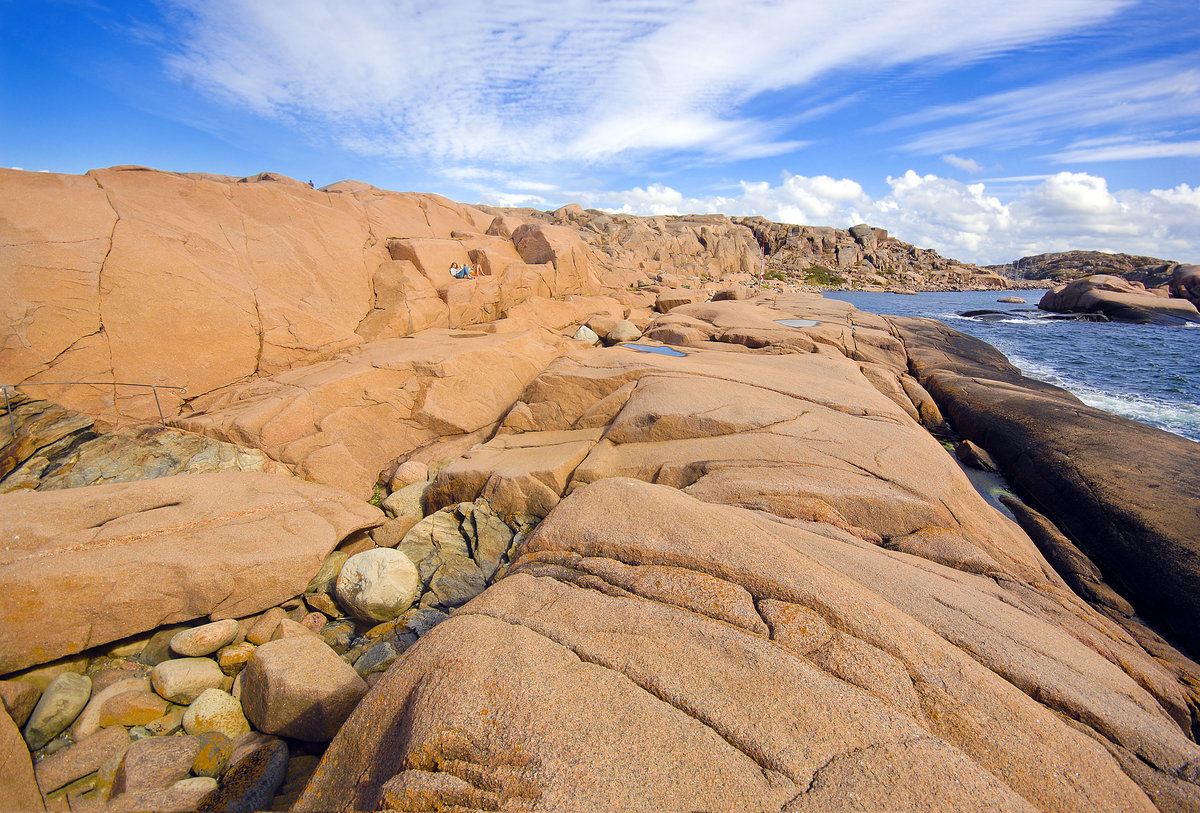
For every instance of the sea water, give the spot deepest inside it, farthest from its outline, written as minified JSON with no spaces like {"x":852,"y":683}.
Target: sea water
{"x":1148,"y":373}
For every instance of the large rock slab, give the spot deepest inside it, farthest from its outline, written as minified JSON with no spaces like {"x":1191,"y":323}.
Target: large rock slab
{"x":342,"y":421}
{"x":765,"y":664}
{"x":17,"y":784}
{"x":86,"y":566}
{"x":1120,"y":300}
{"x":1123,"y":491}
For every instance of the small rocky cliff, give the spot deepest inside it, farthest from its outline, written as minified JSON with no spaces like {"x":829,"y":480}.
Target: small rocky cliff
{"x":293,"y":518}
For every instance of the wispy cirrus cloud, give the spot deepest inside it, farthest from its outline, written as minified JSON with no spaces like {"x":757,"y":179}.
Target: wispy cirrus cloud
{"x":1135,"y":98}
{"x":524,"y":82}
{"x":1120,"y":149}
{"x":959,"y":162}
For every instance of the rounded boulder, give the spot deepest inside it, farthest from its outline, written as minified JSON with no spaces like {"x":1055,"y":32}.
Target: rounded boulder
{"x":379,"y":584}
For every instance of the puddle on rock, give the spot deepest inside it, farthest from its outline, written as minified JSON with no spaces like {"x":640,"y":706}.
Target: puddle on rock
{"x":798,"y":322}
{"x":648,"y":348}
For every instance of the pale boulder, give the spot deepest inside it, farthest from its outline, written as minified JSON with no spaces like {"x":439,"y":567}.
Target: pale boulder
{"x":379,"y":584}
{"x":623,"y":331}
{"x":205,"y":639}
{"x":182,"y":680}
{"x":215,"y":710}
{"x":58,"y":707}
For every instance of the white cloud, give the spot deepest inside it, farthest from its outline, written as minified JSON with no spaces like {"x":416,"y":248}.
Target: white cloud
{"x":1142,"y":95}
{"x":1126,"y":150}
{"x":521,"y":82}
{"x":965,"y":164}
{"x":1069,"y":210}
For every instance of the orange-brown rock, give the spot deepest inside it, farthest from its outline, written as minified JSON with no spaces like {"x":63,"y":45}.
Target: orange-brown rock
{"x":869,"y":673}
{"x":199,"y":281}
{"x":344,"y":420}
{"x":83,"y":567}
{"x":1118,"y":299}
{"x":793,"y":541}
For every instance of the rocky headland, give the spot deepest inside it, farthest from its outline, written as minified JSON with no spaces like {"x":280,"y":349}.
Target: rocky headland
{"x":1112,"y":287}
{"x":611,"y":525}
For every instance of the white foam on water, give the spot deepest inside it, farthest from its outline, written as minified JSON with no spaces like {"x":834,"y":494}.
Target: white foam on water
{"x":1178,"y":417}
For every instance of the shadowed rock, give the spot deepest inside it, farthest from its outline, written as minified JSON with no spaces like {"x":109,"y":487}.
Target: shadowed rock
{"x":1124,"y":491}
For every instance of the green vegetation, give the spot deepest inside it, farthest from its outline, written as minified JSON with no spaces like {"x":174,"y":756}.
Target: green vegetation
{"x":775,"y":274}
{"x":820,"y":275}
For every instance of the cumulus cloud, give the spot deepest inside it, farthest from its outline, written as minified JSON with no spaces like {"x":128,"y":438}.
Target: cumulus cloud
{"x":521,"y":82}
{"x":1068,"y":210}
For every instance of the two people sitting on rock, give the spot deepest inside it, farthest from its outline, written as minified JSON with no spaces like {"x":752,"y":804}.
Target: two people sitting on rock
{"x":463,"y":272}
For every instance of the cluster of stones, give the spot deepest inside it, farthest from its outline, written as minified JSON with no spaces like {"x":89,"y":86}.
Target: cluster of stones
{"x":234,"y":714}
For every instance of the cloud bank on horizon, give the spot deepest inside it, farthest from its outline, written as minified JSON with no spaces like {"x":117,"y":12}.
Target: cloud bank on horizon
{"x":984,"y":130}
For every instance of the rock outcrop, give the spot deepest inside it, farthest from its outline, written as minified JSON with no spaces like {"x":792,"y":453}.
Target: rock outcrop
{"x":199,"y":281}
{"x":83,"y":567}
{"x":1064,"y":266}
{"x":796,"y":595}
{"x":1119,"y":300}
{"x":1124,"y":491}
{"x":725,"y":567}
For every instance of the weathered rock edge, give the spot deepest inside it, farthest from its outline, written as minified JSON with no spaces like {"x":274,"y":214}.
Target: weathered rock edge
{"x":1123,"y":491}
{"x":86,"y":566}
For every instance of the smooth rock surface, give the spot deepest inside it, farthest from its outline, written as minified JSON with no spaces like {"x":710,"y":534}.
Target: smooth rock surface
{"x":57,"y":708}
{"x":1125,"y":491}
{"x":182,"y":680}
{"x":1119,"y":300}
{"x":205,"y":639}
{"x":236,"y":544}
{"x":378,"y":584}
{"x":17,"y":784}
{"x":628,"y":672}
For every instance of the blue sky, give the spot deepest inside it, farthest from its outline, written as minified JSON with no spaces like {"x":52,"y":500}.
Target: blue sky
{"x":985,"y":130}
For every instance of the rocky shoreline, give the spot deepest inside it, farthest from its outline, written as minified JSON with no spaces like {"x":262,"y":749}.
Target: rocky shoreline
{"x":589,"y":531}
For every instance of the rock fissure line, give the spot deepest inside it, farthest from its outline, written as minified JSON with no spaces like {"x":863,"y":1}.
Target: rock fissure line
{"x":761,"y":762}
{"x":632,"y":592}
{"x":129,"y":539}
{"x":112,"y":368}
{"x":848,"y":755}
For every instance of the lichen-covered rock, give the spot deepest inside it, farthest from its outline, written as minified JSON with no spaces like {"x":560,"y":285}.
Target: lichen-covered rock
{"x":215,"y":710}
